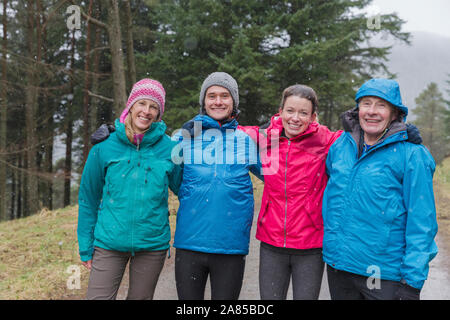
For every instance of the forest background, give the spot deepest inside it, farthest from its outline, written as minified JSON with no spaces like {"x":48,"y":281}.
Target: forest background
{"x":67,"y":67}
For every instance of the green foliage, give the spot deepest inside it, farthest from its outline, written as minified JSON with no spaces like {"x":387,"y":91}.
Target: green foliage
{"x":267,"y":46}
{"x":431,"y":119}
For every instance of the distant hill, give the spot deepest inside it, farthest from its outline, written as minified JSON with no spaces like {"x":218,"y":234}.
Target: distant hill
{"x":426,"y":60}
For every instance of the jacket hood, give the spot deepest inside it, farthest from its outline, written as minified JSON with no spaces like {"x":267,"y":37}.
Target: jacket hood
{"x":386,"y":89}
{"x":208,"y":123}
{"x":350,"y":122}
{"x":153,"y":135}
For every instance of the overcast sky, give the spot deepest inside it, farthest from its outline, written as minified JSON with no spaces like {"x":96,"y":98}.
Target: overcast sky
{"x":420,"y":15}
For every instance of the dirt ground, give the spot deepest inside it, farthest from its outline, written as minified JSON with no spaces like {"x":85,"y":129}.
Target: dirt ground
{"x":437,"y":287}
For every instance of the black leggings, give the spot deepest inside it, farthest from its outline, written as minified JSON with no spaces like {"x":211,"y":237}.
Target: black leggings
{"x":278,"y":265}
{"x":192,"y":269}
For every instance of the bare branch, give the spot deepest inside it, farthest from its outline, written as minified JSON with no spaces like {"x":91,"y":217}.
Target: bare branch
{"x":100,"y":97}
{"x":91,"y":19}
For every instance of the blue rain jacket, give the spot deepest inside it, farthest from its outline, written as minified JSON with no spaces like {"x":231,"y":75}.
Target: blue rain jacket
{"x":216,"y":195}
{"x":378,"y":207}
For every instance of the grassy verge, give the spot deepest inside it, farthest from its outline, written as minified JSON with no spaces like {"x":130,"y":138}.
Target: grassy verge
{"x":442,"y":189}
{"x":38,"y":252}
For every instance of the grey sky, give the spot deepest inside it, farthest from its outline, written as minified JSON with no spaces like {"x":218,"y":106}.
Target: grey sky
{"x":420,"y":15}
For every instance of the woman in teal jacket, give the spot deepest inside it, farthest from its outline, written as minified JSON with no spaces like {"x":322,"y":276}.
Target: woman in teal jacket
{"x":123,"y":199}
{"x":378,"y":207}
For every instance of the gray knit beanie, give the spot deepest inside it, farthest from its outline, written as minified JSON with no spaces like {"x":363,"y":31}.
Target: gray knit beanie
{"x":222,"y":79}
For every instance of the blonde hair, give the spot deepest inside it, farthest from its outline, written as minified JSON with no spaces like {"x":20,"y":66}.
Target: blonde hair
{"x":129,"y":128}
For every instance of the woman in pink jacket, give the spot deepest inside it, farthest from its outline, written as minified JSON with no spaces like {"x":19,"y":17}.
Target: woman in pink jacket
{"x":290,"y":225}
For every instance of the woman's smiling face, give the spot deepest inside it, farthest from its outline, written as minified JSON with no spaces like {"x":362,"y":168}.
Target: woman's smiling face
{"x":143,"y":113}
{"x":296,"y":115}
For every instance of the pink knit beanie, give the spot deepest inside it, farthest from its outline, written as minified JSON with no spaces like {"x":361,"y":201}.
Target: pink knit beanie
{"x":145,"y":89}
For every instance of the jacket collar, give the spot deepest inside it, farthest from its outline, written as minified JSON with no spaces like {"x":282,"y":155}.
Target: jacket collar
{"x":210,"y":123}
{"x":153,"y":135}
{"x":350,"y":121}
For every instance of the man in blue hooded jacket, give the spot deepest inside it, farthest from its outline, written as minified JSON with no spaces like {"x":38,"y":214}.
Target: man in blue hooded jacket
{"x":378,"y":208}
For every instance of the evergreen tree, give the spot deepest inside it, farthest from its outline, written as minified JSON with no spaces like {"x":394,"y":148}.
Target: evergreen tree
{"x":267,"y":46}
{"x":431,"y":111}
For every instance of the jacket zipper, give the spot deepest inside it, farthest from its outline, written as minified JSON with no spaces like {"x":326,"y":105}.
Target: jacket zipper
{"x":132,"y":212}
{"x":285,"y":195}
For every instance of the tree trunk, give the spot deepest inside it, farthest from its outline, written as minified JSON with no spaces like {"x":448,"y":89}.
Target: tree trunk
{"x":86,"y":109}
{"x":95,"y":81}
{"x":3,"y":119}
{"x":130,"y":46}
{"x":31,"y":96}
{"x":48,"y":162}
{"x":48,"y":128}
{"x":118,"y":70}
{"x":22,"y":194}
{"x":12,"y":207}
{"x":69,"y":129}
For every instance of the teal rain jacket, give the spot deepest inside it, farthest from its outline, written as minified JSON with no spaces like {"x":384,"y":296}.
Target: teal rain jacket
{"x":123,"y":196}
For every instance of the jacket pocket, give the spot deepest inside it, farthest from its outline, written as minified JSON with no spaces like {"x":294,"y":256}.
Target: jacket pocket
{"x":265,"y":206}
{"x":314,"y":211}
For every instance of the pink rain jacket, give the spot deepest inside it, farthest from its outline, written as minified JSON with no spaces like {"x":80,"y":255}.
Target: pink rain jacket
{"x":294,"y":182}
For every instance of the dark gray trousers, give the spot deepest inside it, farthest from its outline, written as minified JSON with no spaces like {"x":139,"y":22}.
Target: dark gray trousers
{"x":109,"y":266}
{"x":277,"y":265}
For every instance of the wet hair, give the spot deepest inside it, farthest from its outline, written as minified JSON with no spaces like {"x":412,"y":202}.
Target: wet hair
{"x":301,"y":91}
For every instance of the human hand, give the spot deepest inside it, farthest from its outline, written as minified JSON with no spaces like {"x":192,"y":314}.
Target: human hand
{"x":87,"y":264}
{"x":406,"y":292}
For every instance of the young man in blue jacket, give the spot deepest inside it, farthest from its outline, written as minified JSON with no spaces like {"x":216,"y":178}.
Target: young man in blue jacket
{"x":216,"y":196}
{"x":378,"y":208}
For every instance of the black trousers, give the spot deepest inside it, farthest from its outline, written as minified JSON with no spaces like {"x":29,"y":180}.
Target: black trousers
{"x":192,"y":268}
{"x":278,"y":265}
{"x":350,"y":286}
